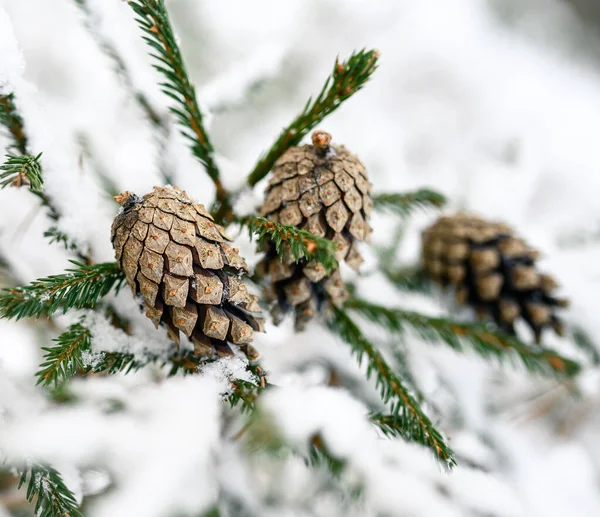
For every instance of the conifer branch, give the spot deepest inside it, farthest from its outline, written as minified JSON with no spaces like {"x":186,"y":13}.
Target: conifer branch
{"x":483,"y":340}
{"x":246,"y":393}
{"x":10,"y":118}
{"x":63,"y":360}
{"x":56,"y":236}
{"x":409,"y":419}
{"x":52,"y":498}
{"x":346,"y":79}
{"x":22,"y":170}
{"x":302,"y":244}
{"x":405,"y":204}
{"x":583,"y":341}
{"x":408,"y":279}
{"x":319,"y":454}
{"x":154,"y":21}
{"x":77,"y":288}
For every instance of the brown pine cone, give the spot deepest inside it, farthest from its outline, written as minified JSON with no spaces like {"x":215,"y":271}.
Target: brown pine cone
{"x":325,"y":190}
{"x":493,"y":271}
{"x":175,"y":256}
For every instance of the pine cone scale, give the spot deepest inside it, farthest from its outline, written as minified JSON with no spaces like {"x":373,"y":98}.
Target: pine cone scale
{"x":325,"y":191}
{"x":175,"y":257}
{"x":492,"y":270}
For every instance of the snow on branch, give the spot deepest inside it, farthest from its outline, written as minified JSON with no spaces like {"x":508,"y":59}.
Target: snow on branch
{"x":72,"y":354}
{"x":77,"y":288}
{"x":345,"y":80}
{"x":47,"y":490}
{"x":300,"y":243}
{"x":409,"y":419}
{"x":406,"y":203}
{"x":485,"y":341}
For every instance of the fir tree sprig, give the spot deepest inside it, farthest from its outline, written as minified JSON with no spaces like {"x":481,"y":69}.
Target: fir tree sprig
{"x":408,"y":279}
{"x":406,"y":203}
{"x":483,"y":339}
{"x":77,"y":288}
{"x":22,"y":170}
{"x":302,"y":244}
{"x":11,"y":120}
{"x":246,"y":393}
{"x":346,"y":79}
{"x":57,"y":236}
{"x":154,"y":21}
{"x":52,"y":497}
{"x":65,"y":358}
{"x":319,"y":454}
{"x":582,"y":340}
{"x":390,"y":425}
{"x":73,"y":355}
{"x":411,"y":421}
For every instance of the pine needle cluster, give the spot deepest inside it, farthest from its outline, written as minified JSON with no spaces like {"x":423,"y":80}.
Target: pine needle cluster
{"x":48,"y":492}
{"x":22,"y":170}
{"x":78,"y":288}
{"x":301,"y":243}
{"x":406,"y":203}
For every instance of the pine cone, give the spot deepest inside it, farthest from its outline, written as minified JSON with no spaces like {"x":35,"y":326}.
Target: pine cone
{"x":175,"y":256}
{"x":323,"y":189}
{"x":493,"y":271}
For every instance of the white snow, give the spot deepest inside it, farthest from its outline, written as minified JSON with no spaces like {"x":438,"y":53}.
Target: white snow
{"x":495,"y":104}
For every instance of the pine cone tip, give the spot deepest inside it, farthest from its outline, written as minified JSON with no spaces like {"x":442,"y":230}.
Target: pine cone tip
{"x":321,"y":140}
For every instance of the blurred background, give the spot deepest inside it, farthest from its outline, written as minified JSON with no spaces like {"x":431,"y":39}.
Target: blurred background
{"x":495,"y":103}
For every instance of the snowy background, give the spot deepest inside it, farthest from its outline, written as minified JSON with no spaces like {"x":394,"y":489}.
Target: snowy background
{"x":494,"y":103}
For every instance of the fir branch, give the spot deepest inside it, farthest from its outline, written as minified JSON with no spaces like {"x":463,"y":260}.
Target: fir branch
{"x":73,"y":355}
{"x":246,"y":393}
{"x":302,"y":244}
{"x":22,"y":170}
{"x":10,"y":118}
{"x":52,"y":497}
{"x":63,"y":360}
{"x":77,"y":288}
{"x":319,"y":455}
{"x":405,"y":204}
{"x":582,"y":340}
{"x":484,"y":340}
{"x":346,"y":79}
{"x":408,"y":279}
{"x":153,"y":20}
{"x":57,"y":236}
{"x":409,"y":419}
